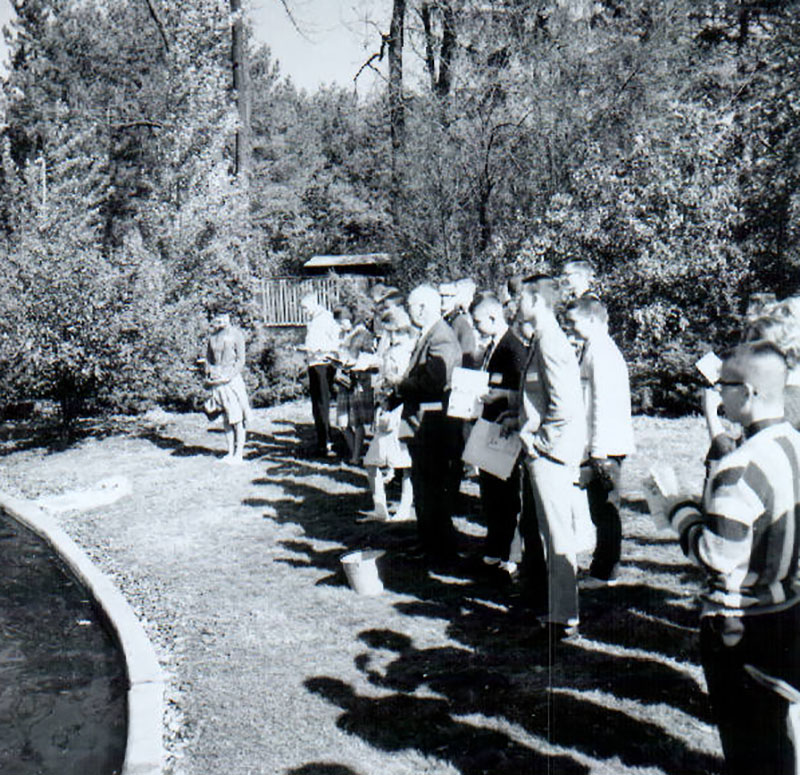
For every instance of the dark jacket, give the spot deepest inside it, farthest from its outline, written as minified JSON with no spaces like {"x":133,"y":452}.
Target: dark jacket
{"x":505,"y":367}
{"x":427,"y":378}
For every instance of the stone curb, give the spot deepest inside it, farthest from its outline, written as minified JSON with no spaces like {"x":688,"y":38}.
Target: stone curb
{"x":144,"y":749}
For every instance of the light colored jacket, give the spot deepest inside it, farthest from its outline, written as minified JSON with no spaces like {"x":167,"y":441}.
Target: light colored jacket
{"x":551,"y":397}
{"x":607,"y":397}
{"x":322,"y":337}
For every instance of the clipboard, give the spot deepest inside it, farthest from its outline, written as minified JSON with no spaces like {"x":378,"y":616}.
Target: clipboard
{"x":490,"y":451}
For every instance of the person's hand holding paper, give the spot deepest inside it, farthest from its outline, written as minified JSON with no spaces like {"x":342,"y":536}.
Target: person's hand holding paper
{"x":663,"y":493}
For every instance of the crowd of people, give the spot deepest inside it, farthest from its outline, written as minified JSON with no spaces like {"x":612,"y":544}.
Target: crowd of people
{"x":558,"y":384}
{"x":555,"y":379}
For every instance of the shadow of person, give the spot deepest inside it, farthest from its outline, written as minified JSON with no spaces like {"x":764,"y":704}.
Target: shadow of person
{"x":179,"y":447}
{"x":321,"y":768}
{"x":652,"y":669}
{"x":575,"y":703}
{"x":402,"y":722}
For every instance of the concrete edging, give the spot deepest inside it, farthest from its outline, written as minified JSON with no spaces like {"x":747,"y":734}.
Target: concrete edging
{"x":144,"y":748}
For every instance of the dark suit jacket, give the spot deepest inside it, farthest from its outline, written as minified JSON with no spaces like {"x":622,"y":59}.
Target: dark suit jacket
{"x":427,"y":377}
{"x":505,"y":369}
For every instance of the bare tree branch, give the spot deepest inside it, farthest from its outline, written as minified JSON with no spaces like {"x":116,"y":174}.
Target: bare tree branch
{"x":293,"y":20}
{"x":368,"y":64}
{"x":157,"y":20}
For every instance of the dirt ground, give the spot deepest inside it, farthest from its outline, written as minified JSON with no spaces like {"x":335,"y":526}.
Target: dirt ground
{"x":275,"y":666}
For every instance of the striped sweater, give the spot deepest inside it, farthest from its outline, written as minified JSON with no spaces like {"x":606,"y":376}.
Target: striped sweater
{"x":747,"y":534}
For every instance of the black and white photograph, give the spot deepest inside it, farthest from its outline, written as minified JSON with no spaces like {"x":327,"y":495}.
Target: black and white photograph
{"x":399,"y":387}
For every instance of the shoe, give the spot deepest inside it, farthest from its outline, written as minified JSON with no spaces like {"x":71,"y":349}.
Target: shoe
{"x":593,"y":582}
{"x":372,"y":516}
{"x":491,"y":561}
{"x":509,"y":566}
{"x":552,"y":633}
{"x":400,"y":516}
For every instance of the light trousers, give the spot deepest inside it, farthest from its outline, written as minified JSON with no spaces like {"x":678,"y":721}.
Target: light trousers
{"x":552,"y":484}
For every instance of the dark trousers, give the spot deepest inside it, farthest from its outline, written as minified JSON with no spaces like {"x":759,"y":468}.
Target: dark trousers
{"x":436,"y":470}
{"x":603,"y":495}
{"x":320,"y":386}
{"x":533,"y":569}
{"x":758,"y":724}
{"x":500,"y":504}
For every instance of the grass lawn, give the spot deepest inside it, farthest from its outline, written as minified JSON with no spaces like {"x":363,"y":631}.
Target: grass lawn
{"x":276,"y":666}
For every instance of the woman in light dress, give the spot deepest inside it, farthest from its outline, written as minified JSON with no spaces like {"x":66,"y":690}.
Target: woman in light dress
{"x":387,"y":451}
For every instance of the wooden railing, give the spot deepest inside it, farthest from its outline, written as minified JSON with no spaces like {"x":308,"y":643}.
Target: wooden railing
{"x":279,"y":297}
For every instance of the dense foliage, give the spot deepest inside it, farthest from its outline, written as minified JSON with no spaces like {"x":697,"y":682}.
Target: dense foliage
{"x":657,"y":138}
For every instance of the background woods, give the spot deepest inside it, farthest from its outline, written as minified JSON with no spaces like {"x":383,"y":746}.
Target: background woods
{"x":141,"y":182}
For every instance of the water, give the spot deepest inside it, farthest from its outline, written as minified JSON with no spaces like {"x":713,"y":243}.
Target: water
{"x":62,"y":677}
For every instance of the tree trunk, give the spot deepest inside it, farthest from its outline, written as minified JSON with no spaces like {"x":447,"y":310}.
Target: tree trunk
{"x":430,"y":63}
{"x":241,"y":84}
{"x":397,"y":123}
{"x":447,"y":50}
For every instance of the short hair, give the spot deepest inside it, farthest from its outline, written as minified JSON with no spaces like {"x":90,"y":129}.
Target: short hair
{"x":589,"y":307}
{"x":579,"y":265}
{"x":466,"y":286}
{"x":543,"y":285}
{"x":761,"y":364}
{"x":487,"y":299}
{"x":427,"y":294}
{"x":779,"y":327}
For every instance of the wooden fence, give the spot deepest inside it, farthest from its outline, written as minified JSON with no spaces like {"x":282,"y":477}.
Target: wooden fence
{"x":279,"y":297}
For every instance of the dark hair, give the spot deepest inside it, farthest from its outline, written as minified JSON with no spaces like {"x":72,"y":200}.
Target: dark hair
{"x":544,"y":285}
{"x":756,"y":347}
{"x":590,"y":307}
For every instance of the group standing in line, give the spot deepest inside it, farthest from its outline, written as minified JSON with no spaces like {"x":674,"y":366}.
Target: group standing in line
{"x":559,"y":383}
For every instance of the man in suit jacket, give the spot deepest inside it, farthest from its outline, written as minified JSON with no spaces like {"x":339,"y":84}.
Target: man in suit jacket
{"x":438,"y":440}
{"x":553,"y":433}
{"x":504,"y":360}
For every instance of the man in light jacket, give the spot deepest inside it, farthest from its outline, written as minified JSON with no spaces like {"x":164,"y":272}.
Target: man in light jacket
{"x":607,"y":399}
{"x":553,"y":432}
{"x":320,"y":346}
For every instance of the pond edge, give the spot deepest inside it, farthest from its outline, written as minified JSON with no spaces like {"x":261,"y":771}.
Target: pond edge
{"x":144,"y":747}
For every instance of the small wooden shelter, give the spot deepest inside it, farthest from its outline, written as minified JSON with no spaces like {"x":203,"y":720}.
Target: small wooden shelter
{"x":327,"y":276}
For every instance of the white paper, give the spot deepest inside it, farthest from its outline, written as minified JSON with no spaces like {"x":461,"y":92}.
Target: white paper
{"x":365,"y":362}
{"x":490,"y":451}
{"x":710,"y":366}
{"x":467,"y":388}
{"x":660,"y":489}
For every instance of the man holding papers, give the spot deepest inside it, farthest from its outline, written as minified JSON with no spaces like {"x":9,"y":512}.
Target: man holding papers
{"x":744,"y":535}
{"x":503,"y":360}
{"x":438,"y":440}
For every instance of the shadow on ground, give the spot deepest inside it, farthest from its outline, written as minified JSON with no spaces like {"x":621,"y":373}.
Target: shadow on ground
{"x":499,"y":699}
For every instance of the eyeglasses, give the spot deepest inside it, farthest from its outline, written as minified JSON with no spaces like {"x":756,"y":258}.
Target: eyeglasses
{"x":721,"y":383}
